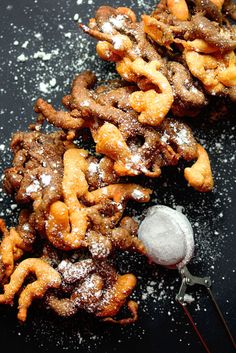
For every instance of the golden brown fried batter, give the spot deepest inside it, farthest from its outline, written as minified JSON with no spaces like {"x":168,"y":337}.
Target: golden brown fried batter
{"x":199,"y":175}
{"x":68,"y":220}
{"x":35,"y":178}
{"x":176,"y":27}
{"x":15,"y":243}
{"x":216,"y":72}
{"x":115,"y":298}
{"x":46,"y":276}
{"x":98,"y":289}
{"x":134,"y":148}
{"x":133,"y":309}
{"x":62,"y":119}
{"x":128,"y":46}
{"x":81,"y":218}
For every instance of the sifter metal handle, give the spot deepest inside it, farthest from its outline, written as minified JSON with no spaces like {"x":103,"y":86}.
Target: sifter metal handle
{"x":189,"y":280}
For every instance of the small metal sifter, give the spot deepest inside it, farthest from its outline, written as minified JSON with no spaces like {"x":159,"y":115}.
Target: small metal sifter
{"x":168,"y":237}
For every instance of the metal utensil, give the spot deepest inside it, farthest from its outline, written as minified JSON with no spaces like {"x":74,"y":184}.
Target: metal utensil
{"x":168,"y":237}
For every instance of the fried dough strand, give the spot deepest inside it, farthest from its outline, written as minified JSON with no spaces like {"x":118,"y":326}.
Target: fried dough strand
{"x":15,"y":243}
{"x":178,"y":9}
{"x":217,"y":73}
{"x":134,"y":148}
{"x":199,"y":175}
{"x":46,"y":276}
{"x":153,"y":104}
{"x":123,"y":48}
{"x":99,"y":290}
{"x":115,"y":298}
{"x":68,"y":221}
{"x":202,"y":27}
{"x":37,"y":164}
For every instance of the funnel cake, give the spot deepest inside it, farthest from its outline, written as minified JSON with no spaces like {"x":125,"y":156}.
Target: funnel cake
{"x":97,"y":288}
{"x":176,"y":36}
{"x":35,"y":177}
{"x":205,"y":41}
{"x":133,"y":147}
{"x":73,"y":211}
{"x":73,"y":203}
{"x":122,"y":39}
{"x":151,"y":64}
{"x":68,"y":220}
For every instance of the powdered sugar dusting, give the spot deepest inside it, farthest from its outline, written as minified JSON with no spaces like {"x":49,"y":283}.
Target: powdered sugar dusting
{"x":137,"y":194}
{"x":45,"y":179}
{"x":34,"y":187}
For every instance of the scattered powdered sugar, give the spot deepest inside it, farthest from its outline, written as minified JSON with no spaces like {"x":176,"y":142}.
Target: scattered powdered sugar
{"x":42,"y":55}
{"x":84,"y":103}
{"x":118,"y":21}
{"x":74,"y":272}
{"x":135,"y":158}
{"x":45,"y":179}
{"x":26,"y":227}
{"x":188,"y":299}
{"x":53,"y":82}
{"x":46,"y":87}
{"x":68,"y":35}
{"x":137,"y":194}
{"x":38,"y":36}
{"x":150,"y":290}
{"x":97,"y":249}
{"x":165,"y":137}
{"x":182,"y":137}
{"x":117,"y":42}
{"x":107,"y":28}
{"x":76,"y":17}
{"x":22,"y":58}
{"x":93,"y":168}
{"x":34,"y":187}
{"x":25,"y":44}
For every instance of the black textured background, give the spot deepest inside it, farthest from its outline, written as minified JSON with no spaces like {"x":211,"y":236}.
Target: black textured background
{"x":162,"y":326}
